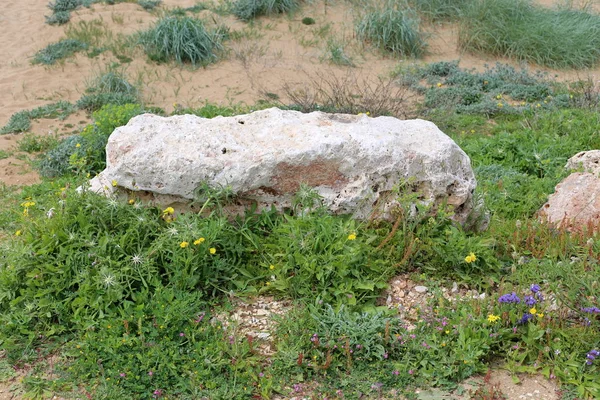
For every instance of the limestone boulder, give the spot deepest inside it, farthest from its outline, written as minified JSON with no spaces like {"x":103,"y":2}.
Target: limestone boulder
{"x":353,"y":162}
{"x":575,"y":203}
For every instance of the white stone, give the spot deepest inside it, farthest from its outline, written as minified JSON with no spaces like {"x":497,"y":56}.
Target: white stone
{"x":353,"y":162}
{"x":421,"y":289}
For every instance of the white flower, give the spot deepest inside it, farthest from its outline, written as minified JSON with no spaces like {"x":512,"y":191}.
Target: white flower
{"x":109,"y":280}
{"x":136,"y":259}
{"x":50,"y":213}
{"x":173,"y":231}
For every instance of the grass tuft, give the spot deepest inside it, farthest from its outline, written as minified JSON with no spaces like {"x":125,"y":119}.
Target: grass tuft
{"x":21,"y":121}
{"x":557,"y":38}
{"x":111,"y":87}
{"x":58,"y":51}
{"x":181,"y":39}
{"x":249,"y":9}
{"x":393,"y":29}
{"x":439,"y":10}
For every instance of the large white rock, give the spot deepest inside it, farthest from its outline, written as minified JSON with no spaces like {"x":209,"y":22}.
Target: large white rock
{"x":354,"y":162}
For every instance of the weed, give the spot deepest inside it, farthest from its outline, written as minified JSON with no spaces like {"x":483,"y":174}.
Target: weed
{"x":181,"y":39}
{"x":4,"y":154}
{"x":58,"y":51}
{"x":308,"y":21}
{"x":336,"y":54}
{"x":561,"y":38}
{"x":391,"y":28}
{"x":249,"y":9}
{"x":350,"y":94}
{"x":64,"y":5}
{"x":31,"y":143}
{"x":58,"y":18}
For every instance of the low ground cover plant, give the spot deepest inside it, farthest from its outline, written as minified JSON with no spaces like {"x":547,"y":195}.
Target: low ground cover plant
{"x":58,"y":51}
{"x":21,"y":121}
{"x":111,"y":87}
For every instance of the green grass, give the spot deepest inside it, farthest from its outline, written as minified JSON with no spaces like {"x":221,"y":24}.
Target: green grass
{"x":183,"y":40}
{"x":557,"y":38}
{"x":58,"y":51}
{"x":21,"y":121}
{"x":439,"y":10}
{"x":111,"y":87}
{"x":250,"y":9}
{"x":393,"y":29}
{"x":31,"y":143}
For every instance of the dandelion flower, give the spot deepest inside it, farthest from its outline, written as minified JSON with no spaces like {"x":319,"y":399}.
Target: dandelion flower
{"x":183,"y":245}
{"x":198,"y":241}
{"x":168,"y":211}
{"x":493,"y":318}
{"x":352,"y":236}
{"x":470,"y":258}
{"x":212,"y":250}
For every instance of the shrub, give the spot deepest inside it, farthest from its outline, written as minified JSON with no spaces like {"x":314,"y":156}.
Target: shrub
{"x":392,"y":28}
{"x":182,"y":39}
{"x":64,"y":5}
{"x":249,"y":9}
{"x":58,"y":51}
{"x":308,"y":21}
{"x":31,"y":143}
{"x":58,"y":18}
{"x":87,"y":152}
{"x":561,"y":38}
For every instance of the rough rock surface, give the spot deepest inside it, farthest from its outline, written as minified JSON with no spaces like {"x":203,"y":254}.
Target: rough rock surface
{"x":575,"y":203}
{"x":353,"y":162}
{"x":587,"y":161}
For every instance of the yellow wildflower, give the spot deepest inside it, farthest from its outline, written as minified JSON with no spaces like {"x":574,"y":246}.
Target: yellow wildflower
{"x":168,"y":211}
{"x":114,"y":183}
{"x":27,"y":204}
{"x":198,"y":241}
{"x":493,"y":318}
{"x":540,"y":315}
{"x":78,"y":145}
{"x":499,"y":96}
{"x":183,"y":245}
{"x":500,"y":105}
{"x":212,"y":250}
{"x":268,"y":283}
{"x":18,"y":233}
{"x":533,"y":311}
{"x":439,"y":84}
{"x":271,"y":266}
{"x":131,"y":201}
{"x":470,"y":258}
{"x":352,"y":236}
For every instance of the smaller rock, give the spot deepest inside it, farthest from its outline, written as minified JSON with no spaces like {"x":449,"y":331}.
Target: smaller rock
{"x":454,"y":287}
{"x":402,"y":284}
{"x":421,"y":289}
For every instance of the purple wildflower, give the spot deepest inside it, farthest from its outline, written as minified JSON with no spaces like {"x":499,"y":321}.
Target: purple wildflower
{"x":260,"y":375}
{"x":150,"y":373}
{"x":122,"y":375}
{"x":297,"y":387}
{"x":509,"y":298}
{"x":410,"y":372}
{"x":530,"y":301}
{"x":157,"y":393}
{"x":591,"y":310}
{"x":591,"y":356}
{"x":535,"y":288}
{"x":525,"y":318}
{"x":396,"y":372}
{"x":181,"y":334}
